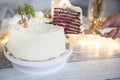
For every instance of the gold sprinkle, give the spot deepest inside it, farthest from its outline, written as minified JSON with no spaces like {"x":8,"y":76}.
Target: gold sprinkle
{"x":25,"y":25}
{"x":20,"y":22}
{"x":47,"y":16}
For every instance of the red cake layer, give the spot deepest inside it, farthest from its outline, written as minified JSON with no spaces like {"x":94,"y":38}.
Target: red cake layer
{"x":69,"y":19}
{"x":66,"y":15}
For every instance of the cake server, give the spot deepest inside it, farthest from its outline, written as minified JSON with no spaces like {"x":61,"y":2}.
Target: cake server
{"x":99,"y":31}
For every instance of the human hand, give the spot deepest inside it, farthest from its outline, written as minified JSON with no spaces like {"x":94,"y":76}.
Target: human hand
{"x":112,"y":21}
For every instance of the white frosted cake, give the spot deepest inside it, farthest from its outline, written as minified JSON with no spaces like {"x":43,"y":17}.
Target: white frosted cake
{"x":39,"y":41}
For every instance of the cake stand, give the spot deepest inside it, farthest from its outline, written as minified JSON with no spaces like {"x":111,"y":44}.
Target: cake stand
{"x":40,"y":67}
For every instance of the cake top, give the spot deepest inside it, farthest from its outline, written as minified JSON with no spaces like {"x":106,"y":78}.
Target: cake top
{"x":31,"y":22}
{"x":35,"y":25}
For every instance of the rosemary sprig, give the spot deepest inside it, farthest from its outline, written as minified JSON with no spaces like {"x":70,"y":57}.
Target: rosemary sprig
{"x":32,"y":11}
{"x":29,"y":10}
{"x":20,"y":11}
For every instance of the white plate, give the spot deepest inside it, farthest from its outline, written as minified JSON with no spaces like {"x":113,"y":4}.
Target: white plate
{"x":40,"y":68}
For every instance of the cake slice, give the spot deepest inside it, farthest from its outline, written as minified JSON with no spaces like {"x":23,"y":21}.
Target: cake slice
{"x":70,"y":18}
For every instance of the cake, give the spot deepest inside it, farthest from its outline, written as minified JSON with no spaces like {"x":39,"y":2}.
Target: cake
{"x":69,"y":17}
{"x":39,"y":41}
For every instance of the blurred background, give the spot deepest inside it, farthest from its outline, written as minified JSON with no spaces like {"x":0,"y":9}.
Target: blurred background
{"x":8,"y":7}
{"x":114,"y":5}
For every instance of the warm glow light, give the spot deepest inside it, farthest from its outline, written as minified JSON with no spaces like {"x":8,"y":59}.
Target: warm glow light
{"x":95,"y":45}
{"x":90,"y":36}
{"x":83,"y":43}
{"x":3,"y":40}
{"x":52,"y":2}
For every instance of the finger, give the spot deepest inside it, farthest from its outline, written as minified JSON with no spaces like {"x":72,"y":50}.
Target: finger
{"x":111,"y":34}
{"x":117,"y":34}
{"x":108,"y":22}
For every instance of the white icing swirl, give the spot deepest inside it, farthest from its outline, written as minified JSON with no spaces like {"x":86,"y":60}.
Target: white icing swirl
{"x":35,"y":25}
{"x":17,"y":17}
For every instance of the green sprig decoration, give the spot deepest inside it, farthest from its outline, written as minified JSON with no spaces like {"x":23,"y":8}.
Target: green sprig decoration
{"x":29,"y":10}
{"x":20,"y":11}
{"x":32,"y":11}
